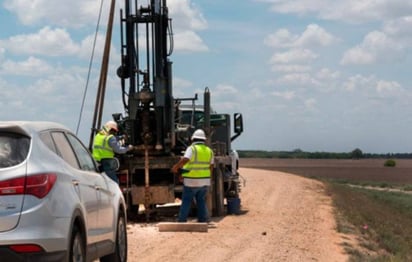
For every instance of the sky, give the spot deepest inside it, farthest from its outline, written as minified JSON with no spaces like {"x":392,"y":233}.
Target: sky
{"x":318,"y":75}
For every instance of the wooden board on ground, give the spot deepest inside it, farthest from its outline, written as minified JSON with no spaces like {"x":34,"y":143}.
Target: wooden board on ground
{"x":182,"y":227}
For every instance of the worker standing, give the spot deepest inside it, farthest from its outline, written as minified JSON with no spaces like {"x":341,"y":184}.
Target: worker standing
{"x":105,"y":145}
{"x":197,"y":165}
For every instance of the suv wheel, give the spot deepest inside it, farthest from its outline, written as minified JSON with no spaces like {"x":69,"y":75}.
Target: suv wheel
{"x":120,"y":253}
{"x":77,"y":246}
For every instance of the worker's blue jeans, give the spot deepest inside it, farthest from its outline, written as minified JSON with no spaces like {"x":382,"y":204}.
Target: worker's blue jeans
{"x":109,"y":166}
{"x":199,"y":194}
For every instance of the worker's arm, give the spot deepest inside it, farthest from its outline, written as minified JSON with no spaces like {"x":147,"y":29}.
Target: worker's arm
{"x":183,"y":161}
{"x":117,"y":147}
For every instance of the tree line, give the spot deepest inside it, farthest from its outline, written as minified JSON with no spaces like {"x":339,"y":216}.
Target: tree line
{"x":298,"y":153}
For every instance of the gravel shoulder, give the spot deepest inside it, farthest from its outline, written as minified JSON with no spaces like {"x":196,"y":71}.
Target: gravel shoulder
{"x":283,"y":218}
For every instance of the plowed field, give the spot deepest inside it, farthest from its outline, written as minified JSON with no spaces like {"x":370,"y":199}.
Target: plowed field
{"x":358,"y":170}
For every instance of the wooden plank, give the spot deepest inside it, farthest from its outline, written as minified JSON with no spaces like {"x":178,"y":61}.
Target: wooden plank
{"x":182,"y":227}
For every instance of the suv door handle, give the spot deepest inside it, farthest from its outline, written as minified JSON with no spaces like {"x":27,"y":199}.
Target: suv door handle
{"x":75,"y":182}
{"x":97,"y":188}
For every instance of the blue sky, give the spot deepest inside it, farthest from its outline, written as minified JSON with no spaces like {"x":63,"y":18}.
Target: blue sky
{"x":317,"y":75}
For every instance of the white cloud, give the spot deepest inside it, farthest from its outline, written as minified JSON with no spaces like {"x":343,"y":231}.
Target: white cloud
{"x":287,"y":95}
{"x":224,"y":89}
{"x":294,"y":56}
{"x":290,"y":68}
{"x":313,"y":36}
{"x":30,"y":67}
{"x":327,"y":74}
{"x":323,"y":80}
{"x":57,"y":41}
{"x":350,"y":11}
{"x":256,"y":93}
{"x":358,"y":55}
{"x":181,"y":87}
{"x":370,"y":86}
{"x":299,"y":7}
{"x":189,"y":41}
{"x":75,"y":13}
{"x":226,"y":106}
{"x":190,"y":20}
{"x":55,"y":97}
{"x":376,"y":46}
{"x":86,"y":46}
{"x":299,"y":48}
{"x":189,"y":16}
{"x":60,"y":88}
{"x":358,"y":82}
{"x":8,"y":100}
{"x":281,"y":38}
{"x":301,"y":79}
{"x":47,"y":42}
{"x":181,"y":83}
{"x":385,"y":88}
{"x":400,"y":27}
{"x":310,"y":103}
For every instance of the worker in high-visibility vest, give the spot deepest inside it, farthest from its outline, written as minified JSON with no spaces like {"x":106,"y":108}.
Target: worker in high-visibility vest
{"x":105,"y":145}
{"x":196,"y":167}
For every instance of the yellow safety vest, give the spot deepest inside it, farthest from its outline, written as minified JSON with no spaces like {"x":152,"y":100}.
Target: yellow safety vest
{"x":101,"y":147}
{"x":199,"y":164}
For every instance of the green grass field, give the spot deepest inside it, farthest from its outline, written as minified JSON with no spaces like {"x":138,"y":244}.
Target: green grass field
{"x":381,"y":221}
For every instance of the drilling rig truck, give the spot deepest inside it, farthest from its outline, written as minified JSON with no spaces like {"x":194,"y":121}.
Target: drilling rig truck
{"x":157,"y":124}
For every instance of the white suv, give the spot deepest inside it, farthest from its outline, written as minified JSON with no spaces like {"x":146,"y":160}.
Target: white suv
{"x":54,"y":204}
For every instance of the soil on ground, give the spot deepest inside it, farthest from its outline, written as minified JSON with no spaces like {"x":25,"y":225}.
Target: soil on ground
{"x":372,"y":170}
{"x":283,"y":217}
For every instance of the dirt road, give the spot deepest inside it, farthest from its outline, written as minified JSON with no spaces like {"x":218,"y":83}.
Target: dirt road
{"x":284,"y":218}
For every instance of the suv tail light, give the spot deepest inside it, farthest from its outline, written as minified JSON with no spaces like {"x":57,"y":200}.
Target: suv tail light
{"x":37,"y":185}
{"x":28,"y":248}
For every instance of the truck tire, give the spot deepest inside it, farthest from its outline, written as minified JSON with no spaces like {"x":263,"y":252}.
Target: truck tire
{"x":218,"y":192}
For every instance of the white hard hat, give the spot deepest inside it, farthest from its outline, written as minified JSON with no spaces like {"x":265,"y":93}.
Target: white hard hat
{"x":111,"y":125}
{"x":199,"y":134}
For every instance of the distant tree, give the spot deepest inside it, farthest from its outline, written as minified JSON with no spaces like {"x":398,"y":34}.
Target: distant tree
{"x":390,"y":163}
{"x":357,"y":154}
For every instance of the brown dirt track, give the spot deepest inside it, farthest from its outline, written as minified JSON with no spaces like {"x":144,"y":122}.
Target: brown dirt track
{"x":284,"y":217}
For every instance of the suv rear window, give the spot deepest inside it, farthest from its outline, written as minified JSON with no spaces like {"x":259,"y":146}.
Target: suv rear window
{"x":13,"y":149}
